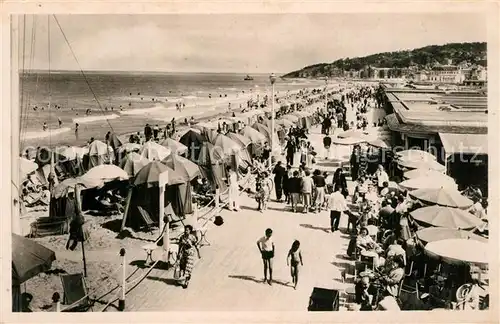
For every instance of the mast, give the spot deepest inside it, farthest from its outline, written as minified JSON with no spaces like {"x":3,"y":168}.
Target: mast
{"x":52,"y":175}
{"x":15,"y":180}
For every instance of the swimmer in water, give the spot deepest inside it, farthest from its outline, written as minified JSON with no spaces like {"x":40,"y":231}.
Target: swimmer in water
{"x":44,"y":126}
{"x":59,"y":121}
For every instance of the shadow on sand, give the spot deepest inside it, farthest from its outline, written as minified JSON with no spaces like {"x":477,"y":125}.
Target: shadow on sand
{"x":168,"y":281}
{"x":309,"y":226}
{"x":260,"y":281}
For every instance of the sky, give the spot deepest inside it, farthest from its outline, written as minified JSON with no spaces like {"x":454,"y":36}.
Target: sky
{"x":239,"y":43}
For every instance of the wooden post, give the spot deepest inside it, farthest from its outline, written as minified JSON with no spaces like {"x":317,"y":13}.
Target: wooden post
{"x":121,"y":302}
{"x":56,"y":300}
{"x":81,"y":219}
{"x":164,"y":225}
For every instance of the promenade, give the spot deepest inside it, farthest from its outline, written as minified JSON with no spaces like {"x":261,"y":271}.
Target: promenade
{"x":229,"y":275}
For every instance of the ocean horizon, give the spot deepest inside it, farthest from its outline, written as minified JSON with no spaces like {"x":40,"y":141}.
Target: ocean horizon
{"x":122,"y":102}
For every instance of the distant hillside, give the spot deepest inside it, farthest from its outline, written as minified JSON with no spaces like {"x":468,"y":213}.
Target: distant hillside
{"x":474,"y":53}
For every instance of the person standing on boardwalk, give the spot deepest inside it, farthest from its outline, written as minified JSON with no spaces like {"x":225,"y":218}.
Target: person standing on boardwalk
{"x":233,"y":196}
{"x":327,"y":142}
{"x":337,"y":205}
{"x":148,"y":132}
{"x":293,"y":260}
{"x":266,"y":248}
{"x":306,"y":190}
{"x":290,"y":150}
{"x":286,"y":183}
{"x":294,"y":186}
{"x":279,"y":174}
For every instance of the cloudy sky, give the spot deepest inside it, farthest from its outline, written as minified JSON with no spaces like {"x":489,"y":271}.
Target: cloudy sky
{"x":247,"y":43}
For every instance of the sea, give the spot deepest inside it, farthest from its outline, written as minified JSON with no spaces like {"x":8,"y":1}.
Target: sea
{"x":123,"y":102}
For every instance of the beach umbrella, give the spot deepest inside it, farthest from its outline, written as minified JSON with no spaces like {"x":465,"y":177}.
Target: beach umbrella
{"x":182,"y":167}
{"x":150,"y":174}
{"x":420,"y":164}
{"x":379,"y":143}
{"x":26,"y":167}
{"x":255,"y":136}
{"x":229,"y":147}
{"x":240,"y":139}
{"x":69,"y":184}
{"x":442,"y":196}
{"x":174,"y":146}
{"x":428,"y":182}
{"x":417,"y":173}
{"x":291,"y":118}
{"x":415,"y":155}
{"x":432,"y":234}
{"x":154,"y":151}
{"x":133,"y":162}
{"x":29,"y":258}
{"x":459,"y":251}
{"x":353,"y":133}
{"x":105,"y":172}
{"x":440,"y":216}
{"x":99,"y":148}
{"x":130,"y":147}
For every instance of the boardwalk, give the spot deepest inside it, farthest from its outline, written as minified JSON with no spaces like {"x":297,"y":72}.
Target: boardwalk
{"x":229,"y":275}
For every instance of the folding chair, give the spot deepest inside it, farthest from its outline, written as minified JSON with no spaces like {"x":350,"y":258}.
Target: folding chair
{"x":76,"y":293}
{"x":146,"y":218}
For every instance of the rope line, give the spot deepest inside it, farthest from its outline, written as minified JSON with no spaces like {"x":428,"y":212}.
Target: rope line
{"x":83,"y":73}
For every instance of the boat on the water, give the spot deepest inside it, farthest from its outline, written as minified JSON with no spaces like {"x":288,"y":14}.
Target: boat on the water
{"x":248,"y":78}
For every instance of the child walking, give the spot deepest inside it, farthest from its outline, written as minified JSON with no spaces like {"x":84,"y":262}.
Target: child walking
{"x":293,"y":259}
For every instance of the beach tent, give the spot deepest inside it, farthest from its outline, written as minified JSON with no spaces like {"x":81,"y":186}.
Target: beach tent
{"x":99,"y":153}
{"x":210,"y":134}
{"x":145,"y":193}
{"x":212,"y":165}
{"x":181,"y":193}
{"x":192,"y":140}
{"x":240,"y":139}
{"x":235,"y":152}
{"x":133,"y":162}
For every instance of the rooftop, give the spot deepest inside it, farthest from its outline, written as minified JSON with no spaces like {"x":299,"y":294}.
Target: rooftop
{"x":459,"y":111}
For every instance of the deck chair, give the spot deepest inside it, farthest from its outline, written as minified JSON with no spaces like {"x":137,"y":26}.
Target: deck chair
{"x":149,"y":223}
{"x":76,"y":293}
